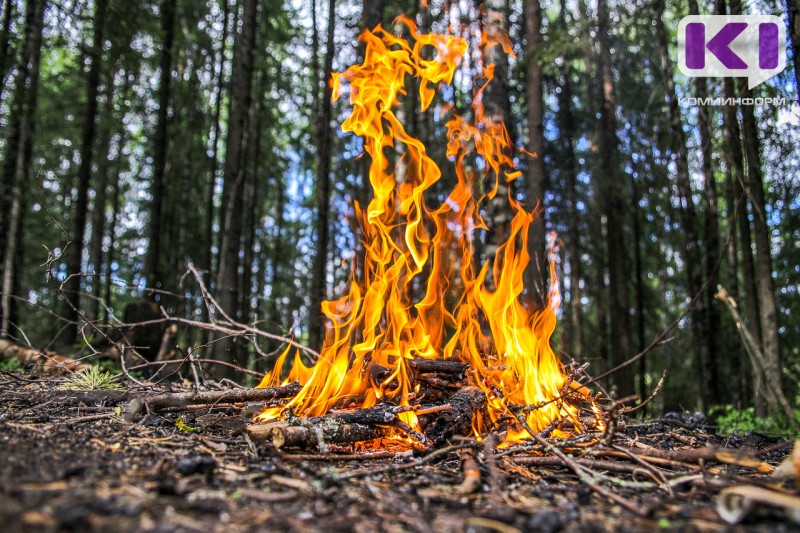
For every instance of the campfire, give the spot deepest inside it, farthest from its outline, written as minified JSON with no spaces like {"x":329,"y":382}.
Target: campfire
{"x":427,"y":344}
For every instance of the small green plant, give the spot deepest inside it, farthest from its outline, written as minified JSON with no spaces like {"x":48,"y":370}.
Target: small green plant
{"x":92,"y":378}
{"x":12,"y":365}
{"x":732,"y":421}
{"x":181,"y":424}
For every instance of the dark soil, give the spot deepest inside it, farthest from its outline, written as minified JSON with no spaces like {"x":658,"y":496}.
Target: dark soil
{"x":70,"y":461}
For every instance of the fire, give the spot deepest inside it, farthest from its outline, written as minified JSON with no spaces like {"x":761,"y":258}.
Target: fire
{"x":411,"y":249}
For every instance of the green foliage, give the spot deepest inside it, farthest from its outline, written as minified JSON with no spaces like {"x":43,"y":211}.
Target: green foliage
{"x":181,"y":424}
{"x":11,"y":365}
{"x":734,"y":421}
{"x":91,"y":379}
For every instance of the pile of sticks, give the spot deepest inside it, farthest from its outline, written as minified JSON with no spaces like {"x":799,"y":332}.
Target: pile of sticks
{"x":446,"y":406}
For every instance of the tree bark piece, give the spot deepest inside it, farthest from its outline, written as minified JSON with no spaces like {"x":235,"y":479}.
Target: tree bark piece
{"x":139,"y":405}
{"x":42,"y":361}
{"x":465,"y":404}
{"x":328,"y":430}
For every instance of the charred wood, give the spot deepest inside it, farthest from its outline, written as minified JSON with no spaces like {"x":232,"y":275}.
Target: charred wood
{"x":464,"y":406}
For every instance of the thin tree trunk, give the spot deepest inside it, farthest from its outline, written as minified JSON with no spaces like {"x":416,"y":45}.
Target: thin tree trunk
{"x":5,"y":43}
{"x":708,"y":394}
{"x":495,"y":99}
{"x":251,"y":208}
{"x":277,"y":260}
{"x":739,"y":222}
{"x":567,"y":126}
{"x":219,"y":83}
{"x":735,"y":218}
{"x":112,"y":230}
{"x":711,"y":317}
{"x":98,"y":223}
{"x":72,"y":286}
{"x":319,"y":270}
{"x":14,"y":137}
{"x":592,"y":104}
{"x":614,"y":201}
{"x":152,"y":271}
{"x":234,"y":174}
{"x":639,"y":290}
{"x":793,"y":7}
{"x":764,"y":283}
{"x":27,"y":91}
{"x":534,"y":92}
{"x":720,"y":392}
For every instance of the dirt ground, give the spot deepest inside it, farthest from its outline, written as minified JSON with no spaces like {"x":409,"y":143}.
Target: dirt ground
{"x":70,"y":462}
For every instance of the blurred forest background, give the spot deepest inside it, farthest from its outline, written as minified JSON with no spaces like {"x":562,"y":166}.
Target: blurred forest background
{"x":139,"y":138}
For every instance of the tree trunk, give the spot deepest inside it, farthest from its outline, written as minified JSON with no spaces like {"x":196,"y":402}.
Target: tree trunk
{"x":715,"y":393}
{"x":707,"y":371}
{"x":613,"y":201}
{"x":14,"y":137}
{"x":98,"y":223}
{"x":234,"y":172}
{"x":567,"y":126}
{"x":72,"y":286}
{"x":599,"y":287}
{"x":793,"y":6}
{"x":112,"y":228}
{"x":18,"y":175}
{"x":277,"y":261}
{"x":320,"y":270}
{"x":219,"y":83}
{"x":5,"y":43}
{"x":152,"y":271}
{"x":739,"y":229}
{"x":639,"y":290}
{"x":534,"y":93}
{"x":764,"y":283}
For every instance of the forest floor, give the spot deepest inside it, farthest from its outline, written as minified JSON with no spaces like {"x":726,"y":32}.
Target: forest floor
{"x":70,"y":461}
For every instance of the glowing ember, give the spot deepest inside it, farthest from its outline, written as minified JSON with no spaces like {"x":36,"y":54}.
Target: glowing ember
{"x":460,"y":315}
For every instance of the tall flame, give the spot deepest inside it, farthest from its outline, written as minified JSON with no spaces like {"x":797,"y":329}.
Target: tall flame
{"x":409,"y":248}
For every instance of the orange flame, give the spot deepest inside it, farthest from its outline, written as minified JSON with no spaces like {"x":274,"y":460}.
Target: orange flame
{"x":406,"y":244}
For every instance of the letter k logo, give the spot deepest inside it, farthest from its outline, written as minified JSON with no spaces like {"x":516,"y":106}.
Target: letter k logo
{"x":719,"y":45}
{"x":735,"y":46}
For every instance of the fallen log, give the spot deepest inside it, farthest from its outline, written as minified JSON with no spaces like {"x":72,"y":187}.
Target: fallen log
{"x":453,"y":369}
{"x":464,"y":406}
{"x":328,"y":430}
{"x":708,"y":453}
{"x":40,"y":360}
{"x":438,"y":366}
{"x":139,"y":405}
{"x":377,"y":414}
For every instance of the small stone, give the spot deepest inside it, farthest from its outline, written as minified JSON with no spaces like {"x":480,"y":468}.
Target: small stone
{"x":545,"y":522}
{"x":196,"y":463}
